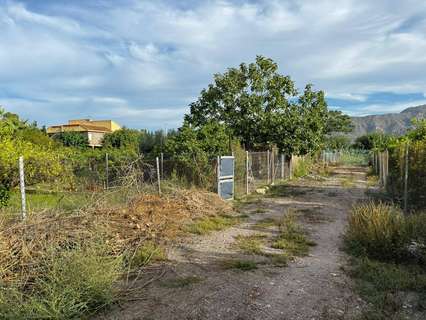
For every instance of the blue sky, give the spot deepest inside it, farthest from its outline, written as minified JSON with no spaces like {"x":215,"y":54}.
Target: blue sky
{"x":142,"y":62}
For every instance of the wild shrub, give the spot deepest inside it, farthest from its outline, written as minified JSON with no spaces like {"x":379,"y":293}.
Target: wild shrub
{"x":71,"y":283}
{"x":146,"y":253}
{"x":376,"y":230}
{"x":302,"y":167}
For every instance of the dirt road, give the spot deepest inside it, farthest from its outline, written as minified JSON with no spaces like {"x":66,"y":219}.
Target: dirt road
{"x":197,"y":286}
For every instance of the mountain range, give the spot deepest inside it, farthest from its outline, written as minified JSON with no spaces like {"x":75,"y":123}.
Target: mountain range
{"x":391,"y":123}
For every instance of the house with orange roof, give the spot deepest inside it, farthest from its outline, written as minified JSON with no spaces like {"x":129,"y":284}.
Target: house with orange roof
{"x":94,"y":130}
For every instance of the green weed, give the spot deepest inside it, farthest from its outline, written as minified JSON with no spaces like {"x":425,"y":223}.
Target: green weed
{"x":243,"y":265}
{"x":146,"y":253}
{"x":208,"y":224}
{"x":251,"y":244}
{"x":292,"y":238}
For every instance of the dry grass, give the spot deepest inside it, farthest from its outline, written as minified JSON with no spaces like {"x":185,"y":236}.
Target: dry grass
{"x":89,"y":241}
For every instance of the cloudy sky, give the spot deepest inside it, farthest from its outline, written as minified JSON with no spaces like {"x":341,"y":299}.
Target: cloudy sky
{"x":142,"y":62}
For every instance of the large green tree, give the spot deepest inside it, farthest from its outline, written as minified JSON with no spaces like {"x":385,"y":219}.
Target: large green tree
{"x":261,"y":108}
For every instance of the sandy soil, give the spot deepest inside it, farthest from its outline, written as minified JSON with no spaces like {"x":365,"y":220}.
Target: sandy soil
{"x":312,"y":287}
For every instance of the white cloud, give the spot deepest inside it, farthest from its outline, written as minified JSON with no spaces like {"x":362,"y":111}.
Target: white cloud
{"x":384,"y":108}
{"x":153,"y":55}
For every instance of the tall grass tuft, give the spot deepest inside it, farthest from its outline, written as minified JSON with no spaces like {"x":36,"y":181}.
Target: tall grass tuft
{"x":376,"y":230}
{"x":72,"y":283}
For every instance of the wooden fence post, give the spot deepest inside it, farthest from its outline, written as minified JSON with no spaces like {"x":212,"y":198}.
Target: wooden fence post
{"x":282,"y":166}
{"x":22,"y":187}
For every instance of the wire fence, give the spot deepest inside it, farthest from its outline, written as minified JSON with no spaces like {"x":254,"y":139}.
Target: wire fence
{"x":402,"y":173}
{"x":252,"y":170}
{"x":346,"y":157}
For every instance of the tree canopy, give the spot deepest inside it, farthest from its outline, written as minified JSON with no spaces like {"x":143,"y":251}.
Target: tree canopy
{"x":261,"y":108}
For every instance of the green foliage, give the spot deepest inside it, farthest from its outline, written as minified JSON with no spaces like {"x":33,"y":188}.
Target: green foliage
{"x":72,"y":139}
{"x":194,"y":149}
{"x":36,"y":136}
{"x":75,"y":283}
{"x":354,"y":157}
{"x":302,"y":167}
{"x":337,"y":142}
{"x":373,"y":141}
{"x":381,"y":284}
{"x":146,"y":253}
{"x":17,"y":138}
{"x":418,"y":133}
{"x":339,"y":122}
{"x":416,"y":173}
{"x":153,"y":143}
{"x":123,"y":138}
{"x":252,"y":99}
{"x":41,"y":164}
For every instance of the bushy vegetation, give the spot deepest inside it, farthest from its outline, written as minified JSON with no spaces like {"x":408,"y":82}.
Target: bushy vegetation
{"x":302,"y":166}
{"x":389,"y":251}
{"x":72,"y":283}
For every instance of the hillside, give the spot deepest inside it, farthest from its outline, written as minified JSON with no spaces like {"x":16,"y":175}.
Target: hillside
{"x":392,"y":123}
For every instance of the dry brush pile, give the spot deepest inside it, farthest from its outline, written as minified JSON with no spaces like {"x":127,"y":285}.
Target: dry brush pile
{"x":60,"y":266}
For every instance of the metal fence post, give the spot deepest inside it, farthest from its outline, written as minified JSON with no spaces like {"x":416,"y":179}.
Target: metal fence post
{"x":247,"y":172}
{"x":158,"y":176}
{"x":162,"y":165}
{"x":267,"y":161}
{"x":218,"y":175}
{"x":22,"y":187}
{"x":406,"y":179}
{"x":106,"y":171}
{"x":273,"y":167}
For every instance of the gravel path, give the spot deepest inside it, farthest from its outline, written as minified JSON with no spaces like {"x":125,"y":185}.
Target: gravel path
{"x":312,"y":287}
